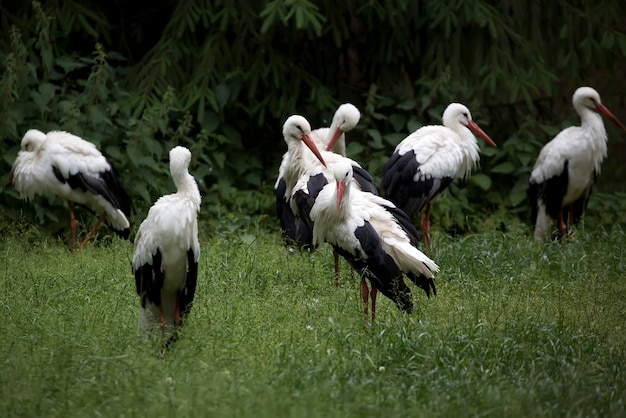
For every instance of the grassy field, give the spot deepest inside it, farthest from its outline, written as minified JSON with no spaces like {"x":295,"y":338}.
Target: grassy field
{"x":517,"y":329}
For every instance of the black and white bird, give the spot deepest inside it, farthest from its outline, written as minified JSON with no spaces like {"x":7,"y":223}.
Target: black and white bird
{"x":64,"y":165}
{"x":333,"y":138}
{"x":167,"y":251}
{"x":562,"y":178}
{"x":311,"y":183}
{"x":374,"y":236}
{"x":424,"y":163}
{"x":297,"y":159}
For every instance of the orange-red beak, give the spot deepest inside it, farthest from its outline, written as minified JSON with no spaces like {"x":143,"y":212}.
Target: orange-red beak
{"x":341,"y":186}
{"x":606,"y":112}
{"x":10,"y":177}
{"x":476,"y":129}
{"x":334,"y":139}
{"x":306,"y":138}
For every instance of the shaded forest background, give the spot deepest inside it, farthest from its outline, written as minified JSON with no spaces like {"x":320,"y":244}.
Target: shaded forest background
{"x":220,"y":77}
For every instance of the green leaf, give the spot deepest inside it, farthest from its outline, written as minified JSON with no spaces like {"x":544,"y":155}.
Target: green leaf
{"x":481,"y":180}
{"x":504,"y":168}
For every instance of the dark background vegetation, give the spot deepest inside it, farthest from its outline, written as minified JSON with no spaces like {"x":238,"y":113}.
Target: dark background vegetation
{"x":220,"y":77}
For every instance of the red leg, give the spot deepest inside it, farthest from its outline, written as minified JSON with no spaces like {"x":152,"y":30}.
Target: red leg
{"x":336,"y":256}
{"x":365,"y":296}
{"x":562,"y":225}
{"x":72,"y":223}
{"x":100,"y":219}
{"x":177,"y":320}
{"x":373,"y":294}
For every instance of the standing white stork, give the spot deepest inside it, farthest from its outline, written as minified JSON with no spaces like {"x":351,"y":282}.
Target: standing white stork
{"x":295,"y":161}
{"x":562,"y":178}
{"x":62,"y":164}
{"x":165,"y":262}
{"x":296,"y":132}
{"x":313,"y":180}
{"x":425,"y":162}
{"x":374,"y":236}
{"x":333,"y":138}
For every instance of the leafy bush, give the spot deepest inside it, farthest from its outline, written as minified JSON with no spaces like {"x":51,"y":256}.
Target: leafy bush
{"x":221,"y":77}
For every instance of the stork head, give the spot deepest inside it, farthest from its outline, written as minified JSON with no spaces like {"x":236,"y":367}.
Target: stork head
{"x":456,"y":113}
{"x":588,"y":98}
{"x":346,"y":118}
{"x":297,"y":128}
{"x":342,"y":171}
{"x":180,"y":157}
{"x":31,"y":142}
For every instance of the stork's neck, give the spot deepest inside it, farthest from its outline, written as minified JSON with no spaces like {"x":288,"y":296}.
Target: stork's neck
{"x":186,"y":185}
{"x":471,"y":153}
{"x":592,"y":123}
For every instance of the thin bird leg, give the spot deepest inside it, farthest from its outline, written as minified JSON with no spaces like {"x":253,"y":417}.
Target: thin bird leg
{"x":373,"y":294}
{"x":562,"y":225}
{"x":570,"y":219}
{"x":365,"y":296}
{"x":426,"y":226}
{"x":336,"y":268}
{"x":100,"y":219}
{"x":177,"y":319}
{"x":162,"y":320}
{"x":72,"y":223}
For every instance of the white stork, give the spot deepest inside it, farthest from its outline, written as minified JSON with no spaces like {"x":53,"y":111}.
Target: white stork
{"x":333,"y":138}
{"x":425,"y":162}
{"x":62,"y":164}
{"x":562,"y":178}
{"x":165,"y":262}
{"x":296,"y":132}
{"x":374,"y":236}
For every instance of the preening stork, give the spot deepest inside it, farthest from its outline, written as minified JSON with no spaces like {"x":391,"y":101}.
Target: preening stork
{"x":314,"y":179}
{"x":425,"y":162}
{"x":562,"y":178}
{"x":374,"y":236}
{"x":333,"y":138}
{"x":167,"y":251}
{"x":297,"y":134}
{"x":62,"y":164}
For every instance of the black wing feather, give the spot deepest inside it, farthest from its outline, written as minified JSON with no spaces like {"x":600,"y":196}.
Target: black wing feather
{"x":149,"y":280}
{"x":409,"y":195}
{"x":378,"y":267}
{"x":189,"y":291}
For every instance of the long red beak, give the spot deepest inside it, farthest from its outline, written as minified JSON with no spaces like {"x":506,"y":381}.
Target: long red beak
{"x":334,"y":139}
{"x":606,"y":112}
{"x":341,"y":186}
{"x":10,"y":179}
{"x":476,"y":129}
{"x":306,"y":138}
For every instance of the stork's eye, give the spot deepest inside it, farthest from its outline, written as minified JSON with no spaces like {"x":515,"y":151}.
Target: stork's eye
{"x":466,"y":115}
{"x":299,"y":128}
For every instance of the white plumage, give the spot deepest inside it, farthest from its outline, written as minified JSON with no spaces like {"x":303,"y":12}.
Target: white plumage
{"x":167,"y":251}
{"x":425,"y":162}
{"x":376,"y":238}
{"x":64,"y":165}
{"x":563,"y":175}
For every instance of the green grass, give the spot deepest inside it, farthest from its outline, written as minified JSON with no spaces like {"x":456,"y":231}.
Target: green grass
{"x":517,"y":329}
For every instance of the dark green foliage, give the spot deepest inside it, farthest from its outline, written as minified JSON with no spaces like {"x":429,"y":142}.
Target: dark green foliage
{"x":137,"y":78}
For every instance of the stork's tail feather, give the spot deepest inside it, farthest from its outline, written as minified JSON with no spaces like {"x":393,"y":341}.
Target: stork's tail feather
{"x":425,"y":283}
